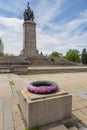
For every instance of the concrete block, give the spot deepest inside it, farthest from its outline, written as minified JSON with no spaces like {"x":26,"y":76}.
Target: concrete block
{"x":45,"y":109}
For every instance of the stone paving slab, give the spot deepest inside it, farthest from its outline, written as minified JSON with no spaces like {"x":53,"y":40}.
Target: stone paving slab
{"x":11,"y":118}
{"x":19,"y":84}
{"x":5,"y":90}
{"x":70,"y":82}
{"x":8,"y":120}
{"x":54,"y":127}
{"x":3,"y":78}
{"x":60,"y":127}
{"x":18,"y":120}
{"x":1,"y":115}
{"x":10,"y":101}
{"x":73,"y":128}
{"x":1,"y":120}
{"x":84,"y":110}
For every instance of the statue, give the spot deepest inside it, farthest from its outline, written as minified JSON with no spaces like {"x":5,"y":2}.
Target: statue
{"x":28,"y":14}
{"x":32,"y":16}
{"x":25,"y":15}
{"x":28,"y":6}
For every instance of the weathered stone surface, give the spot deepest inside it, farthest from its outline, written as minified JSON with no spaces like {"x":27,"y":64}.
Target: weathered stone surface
{"x":18,"y":120}
{"x":1,"y":119}
{"x":72,"y":121}
{"x":60,"y":127}
{"x":29,"y":45}
{"x":73,"y":128}
{"x":45,"y":110}
{"x":20,"y":69}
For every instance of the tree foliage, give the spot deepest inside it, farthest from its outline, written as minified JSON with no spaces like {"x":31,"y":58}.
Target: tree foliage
{"x":55,"y":54}
{"x":84,"y":56}
{"x":73,"y":55}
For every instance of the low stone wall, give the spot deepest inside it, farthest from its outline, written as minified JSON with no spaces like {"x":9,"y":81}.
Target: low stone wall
{"x":6,"y":69}
{"x":17,"y":69}
{"x":20,"y":69}
{"x":25,"y":69}
{"x":54,"y":69}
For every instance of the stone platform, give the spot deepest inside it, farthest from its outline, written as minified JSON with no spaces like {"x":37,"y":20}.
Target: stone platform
{"x":56,"y":69}
{"x":9,"y":100}
{"x":39,"y":110}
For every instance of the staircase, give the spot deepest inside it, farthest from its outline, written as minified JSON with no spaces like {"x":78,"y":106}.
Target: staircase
{"x":44,"y":61}
{"x":39,"y":60}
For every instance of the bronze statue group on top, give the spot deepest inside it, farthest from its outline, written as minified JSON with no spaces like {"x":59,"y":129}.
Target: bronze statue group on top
{"x":28,"y":14}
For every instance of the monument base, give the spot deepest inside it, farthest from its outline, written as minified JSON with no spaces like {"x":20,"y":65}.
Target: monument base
{"x":39,"y":110}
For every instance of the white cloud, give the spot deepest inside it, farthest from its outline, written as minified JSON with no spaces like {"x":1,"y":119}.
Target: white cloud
{"x":11,"y":33}
{"x":69,"y":35}
{"x":46,"y":11}
{"x":64,"y":37}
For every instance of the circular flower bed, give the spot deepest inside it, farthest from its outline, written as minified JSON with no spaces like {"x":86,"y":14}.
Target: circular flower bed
{"x":42,"y":87}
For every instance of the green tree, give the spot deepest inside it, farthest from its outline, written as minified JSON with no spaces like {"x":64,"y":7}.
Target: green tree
{"x":54,"y":54}
{"x":73,"y":55}
{"x":1,"y":47}
{"x":84,"y":56}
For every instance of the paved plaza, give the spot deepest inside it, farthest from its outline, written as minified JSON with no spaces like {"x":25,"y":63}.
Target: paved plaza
{"x":10,"y":115}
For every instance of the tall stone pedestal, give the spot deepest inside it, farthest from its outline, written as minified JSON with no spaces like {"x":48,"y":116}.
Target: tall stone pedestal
{"x":29,"y":40}
{"x":39,"y":110}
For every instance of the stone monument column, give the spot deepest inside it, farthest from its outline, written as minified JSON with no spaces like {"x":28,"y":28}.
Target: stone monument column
{"x":29,"y":33}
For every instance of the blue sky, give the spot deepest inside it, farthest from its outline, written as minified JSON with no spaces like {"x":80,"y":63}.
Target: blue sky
{"x":61,"y":24}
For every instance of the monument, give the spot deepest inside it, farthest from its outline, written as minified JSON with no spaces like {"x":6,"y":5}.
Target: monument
{"x":29,"y":55}
{"x":29,"y":33}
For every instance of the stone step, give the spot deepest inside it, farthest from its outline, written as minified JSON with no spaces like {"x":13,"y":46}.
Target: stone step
{"x":73,"y":128}
{"x":60,"y":127}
